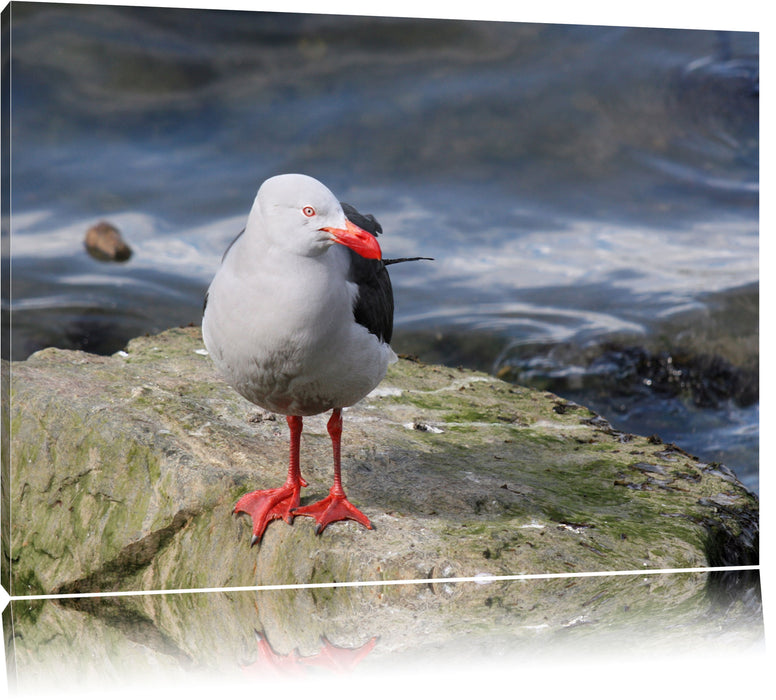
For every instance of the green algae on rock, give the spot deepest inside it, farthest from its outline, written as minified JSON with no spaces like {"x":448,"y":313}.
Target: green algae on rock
{"x":122,"y":472}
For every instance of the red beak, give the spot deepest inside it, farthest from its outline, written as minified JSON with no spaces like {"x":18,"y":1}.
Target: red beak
{"x":358,"y":240}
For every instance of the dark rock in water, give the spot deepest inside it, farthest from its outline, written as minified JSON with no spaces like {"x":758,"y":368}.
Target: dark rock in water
{"x":104,"y":242}
{"x":707,"y":380}
{"x":612,"y":369}
{"x":122,"y":473}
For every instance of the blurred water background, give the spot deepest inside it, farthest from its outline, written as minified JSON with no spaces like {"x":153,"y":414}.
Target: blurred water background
{"x":590,"y":194}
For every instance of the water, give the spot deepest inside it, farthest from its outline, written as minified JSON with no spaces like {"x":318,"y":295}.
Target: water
{"x":583,"y":190}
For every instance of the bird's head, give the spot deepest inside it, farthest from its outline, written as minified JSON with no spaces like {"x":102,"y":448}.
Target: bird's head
{"x":299,"y":214}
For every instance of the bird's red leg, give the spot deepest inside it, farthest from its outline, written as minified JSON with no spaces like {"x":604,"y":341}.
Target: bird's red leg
{"x":336,"y":505}
{"x":270,"y":504}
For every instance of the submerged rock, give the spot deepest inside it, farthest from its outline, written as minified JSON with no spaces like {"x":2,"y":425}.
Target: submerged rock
{"x":629,"y":371}
{"x":122,"y":473}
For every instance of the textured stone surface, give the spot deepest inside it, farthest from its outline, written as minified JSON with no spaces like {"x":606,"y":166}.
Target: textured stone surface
{"x":122,"y":471}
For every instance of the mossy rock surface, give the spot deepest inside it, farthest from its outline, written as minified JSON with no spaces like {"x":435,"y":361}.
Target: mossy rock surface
{"x":122,"y":471}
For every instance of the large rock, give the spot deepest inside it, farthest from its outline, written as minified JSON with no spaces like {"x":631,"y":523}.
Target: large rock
{"x":122,"y":473}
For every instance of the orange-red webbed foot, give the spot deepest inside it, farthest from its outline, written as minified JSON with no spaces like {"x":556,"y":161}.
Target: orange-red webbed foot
{"x":334,"y":507}
{"x":269,"y":504}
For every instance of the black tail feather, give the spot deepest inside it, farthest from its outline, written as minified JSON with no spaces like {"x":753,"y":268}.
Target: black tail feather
{"x":391,"y":261}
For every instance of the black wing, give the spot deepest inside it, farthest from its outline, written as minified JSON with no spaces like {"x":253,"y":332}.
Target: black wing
{"x":374,"y":304}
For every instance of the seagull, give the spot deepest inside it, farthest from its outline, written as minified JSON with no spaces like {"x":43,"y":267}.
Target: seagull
{"x":298,"y":320}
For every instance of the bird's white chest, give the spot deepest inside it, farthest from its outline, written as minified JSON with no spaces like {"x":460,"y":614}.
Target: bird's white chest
{"x":280,"y":329}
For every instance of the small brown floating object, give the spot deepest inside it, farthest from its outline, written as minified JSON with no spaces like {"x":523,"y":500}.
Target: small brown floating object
{"x":104,"y":242}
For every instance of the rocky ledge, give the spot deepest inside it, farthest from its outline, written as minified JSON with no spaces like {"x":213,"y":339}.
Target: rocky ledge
{"x":121,"y":473}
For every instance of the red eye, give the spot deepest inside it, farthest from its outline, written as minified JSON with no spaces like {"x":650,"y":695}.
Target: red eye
{"x":308,"y":211}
